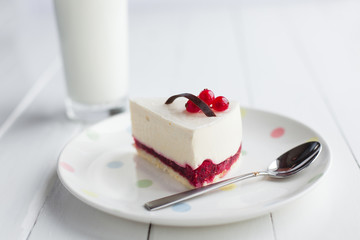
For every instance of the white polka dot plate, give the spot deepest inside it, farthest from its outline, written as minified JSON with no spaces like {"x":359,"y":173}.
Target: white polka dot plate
{"x":100,"y":167}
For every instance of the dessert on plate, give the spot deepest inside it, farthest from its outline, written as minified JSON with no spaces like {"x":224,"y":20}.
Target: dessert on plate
{"x":197,"y":140}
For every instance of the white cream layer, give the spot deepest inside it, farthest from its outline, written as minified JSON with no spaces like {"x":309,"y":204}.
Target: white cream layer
{"x":186,"y":138}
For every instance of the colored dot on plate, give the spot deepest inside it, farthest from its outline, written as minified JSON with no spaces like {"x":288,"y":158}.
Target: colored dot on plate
{"x":144,"y":183}
{"x":243,"y":153}
{"x":67,"y":166}
{"x":229,"y":187}
{"x":115,"y":164}
{"x":90,"y":193}
{"x":129,"y":130}
{"x":313,"y":139}
{"x":92,"y":135}
{"x":315,"y":178}
{"x":181,"y":207}
{"x":243,"y":112}
{"x":277,"y":132}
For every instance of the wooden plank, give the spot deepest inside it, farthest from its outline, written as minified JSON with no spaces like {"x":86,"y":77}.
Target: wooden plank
{"x":27,"y":45}
{"x":184,"y":48}
{"x":333,"y":55}
{"x":282,"y":80}
{"x":255,"y":229}
{"x":32,"y":173}
{"x":65,"y":217}
{"x":28,"y":167}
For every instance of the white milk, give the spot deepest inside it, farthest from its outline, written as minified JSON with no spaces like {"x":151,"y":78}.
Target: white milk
{"x":94,"y":41}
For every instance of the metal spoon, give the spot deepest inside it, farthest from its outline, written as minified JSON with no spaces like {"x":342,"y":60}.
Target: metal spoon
{"x":287,"y":164}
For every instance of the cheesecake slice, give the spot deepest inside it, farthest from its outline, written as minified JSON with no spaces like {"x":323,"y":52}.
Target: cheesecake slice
{"x":194,"y":149}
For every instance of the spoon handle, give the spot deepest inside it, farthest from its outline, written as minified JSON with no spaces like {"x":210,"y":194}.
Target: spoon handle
{"x":179,"y":197}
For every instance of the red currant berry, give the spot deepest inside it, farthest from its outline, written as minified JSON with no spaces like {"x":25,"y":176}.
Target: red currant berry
{"x":207,"y":96}
{"x":220,"y":104}
{"x":191,"y":107}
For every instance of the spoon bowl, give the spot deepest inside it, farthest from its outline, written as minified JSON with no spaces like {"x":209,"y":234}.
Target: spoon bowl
{"x":294,"y":160}
{"x":286,"y":165}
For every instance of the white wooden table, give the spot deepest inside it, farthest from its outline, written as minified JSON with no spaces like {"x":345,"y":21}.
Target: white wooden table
{"x":297,"y":58}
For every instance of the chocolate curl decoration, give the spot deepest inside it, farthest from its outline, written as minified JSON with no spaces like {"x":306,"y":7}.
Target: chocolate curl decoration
{"x":197,"y":101}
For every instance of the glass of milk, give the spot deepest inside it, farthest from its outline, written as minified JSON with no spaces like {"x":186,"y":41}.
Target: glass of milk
{"x":94,"y":42}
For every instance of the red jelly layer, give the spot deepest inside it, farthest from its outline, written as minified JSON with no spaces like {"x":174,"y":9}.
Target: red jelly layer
{"x":205,"y":173}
